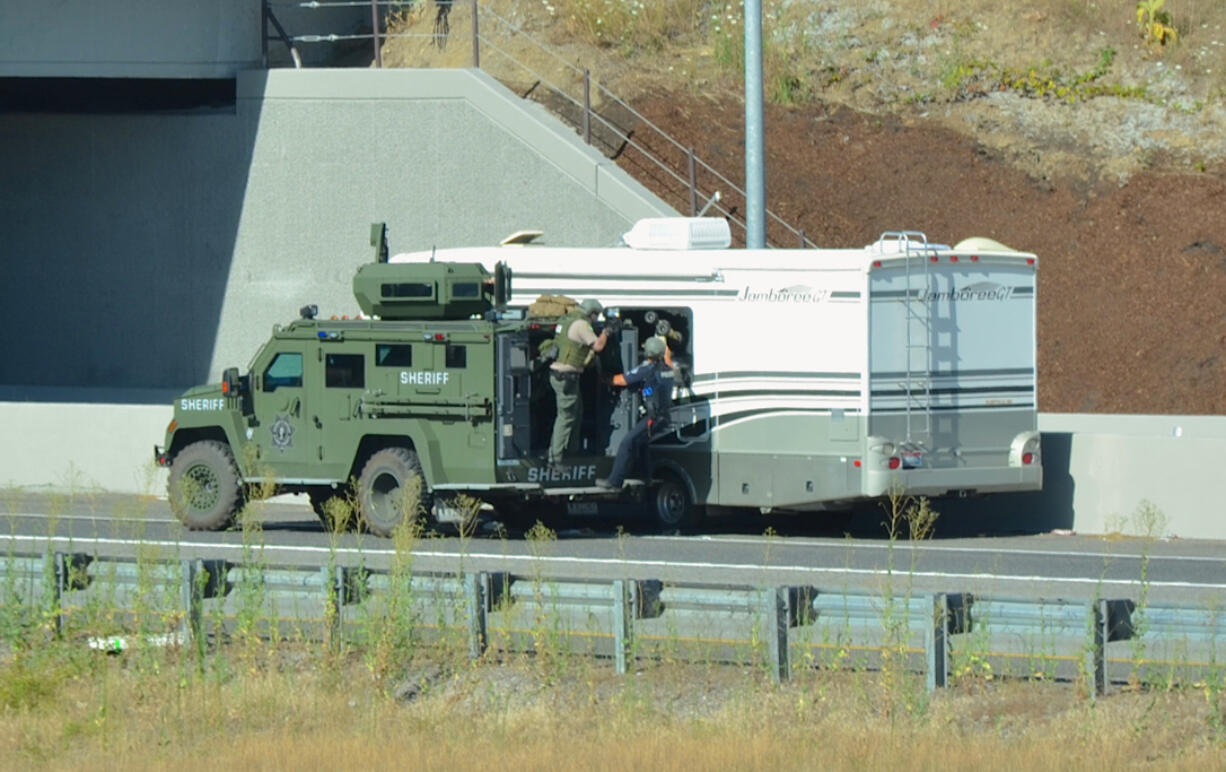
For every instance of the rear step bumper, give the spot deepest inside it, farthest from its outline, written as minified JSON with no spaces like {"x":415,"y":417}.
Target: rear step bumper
{"x":941,"y":482}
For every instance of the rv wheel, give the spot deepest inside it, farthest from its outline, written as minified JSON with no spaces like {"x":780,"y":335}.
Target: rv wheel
{"x":204,"y":490}
{"x":391,"y":490}
{"x":672,"y":506}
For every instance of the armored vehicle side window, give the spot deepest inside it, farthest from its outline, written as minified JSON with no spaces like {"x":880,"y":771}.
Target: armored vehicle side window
{"x":345,"y":371}
{"x":285,"y":370}
{"x":466,"y":289}
{"x":393,"y":355}
{"x":457,"y":356}
{"x":407,"y":289}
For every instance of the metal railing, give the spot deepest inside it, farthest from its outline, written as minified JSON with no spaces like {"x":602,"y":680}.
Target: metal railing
{"x":625,"y":620}
{"x":674,"y":171}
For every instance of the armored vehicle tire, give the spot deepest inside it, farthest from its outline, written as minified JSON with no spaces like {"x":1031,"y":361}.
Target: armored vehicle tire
{"x":204,"y":489}
{"x":391,"y":489}
{"x":671,"y":505}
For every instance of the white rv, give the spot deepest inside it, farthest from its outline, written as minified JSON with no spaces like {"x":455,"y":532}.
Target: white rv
{"x":818,"y":377}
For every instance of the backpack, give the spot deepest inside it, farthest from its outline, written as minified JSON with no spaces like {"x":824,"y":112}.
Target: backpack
{"x":552,"y":305}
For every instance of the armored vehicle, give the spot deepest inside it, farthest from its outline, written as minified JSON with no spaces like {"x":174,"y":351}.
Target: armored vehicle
{"x":437,"y":390}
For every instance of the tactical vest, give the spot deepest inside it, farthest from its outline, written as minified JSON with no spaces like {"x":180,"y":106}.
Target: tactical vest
{"x":657,"y":392}
{"x":569,"y":352}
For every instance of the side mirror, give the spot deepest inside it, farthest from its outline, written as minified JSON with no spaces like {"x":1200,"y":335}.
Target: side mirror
{"x":231,"y":384}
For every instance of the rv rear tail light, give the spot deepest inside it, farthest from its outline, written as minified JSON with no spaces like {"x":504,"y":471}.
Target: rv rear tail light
{"x":856,"y":462}
{"x":1030,"y":261}
{"x":876,"y":263}
{"x":974,"y":258}
{"x":932,"y":259}
{"x":895,"y":462}
{"x":953,"y":258}
{"x":1027,"y":458}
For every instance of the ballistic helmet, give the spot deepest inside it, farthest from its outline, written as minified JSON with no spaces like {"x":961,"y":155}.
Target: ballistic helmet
{"x":591,"y":306}
{"x":654,"y":347}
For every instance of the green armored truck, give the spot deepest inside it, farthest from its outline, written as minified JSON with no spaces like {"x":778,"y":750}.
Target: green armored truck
{"x":437,"y":391}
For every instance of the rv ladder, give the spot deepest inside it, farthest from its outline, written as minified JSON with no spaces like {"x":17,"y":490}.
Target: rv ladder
{"x":916,"y":384}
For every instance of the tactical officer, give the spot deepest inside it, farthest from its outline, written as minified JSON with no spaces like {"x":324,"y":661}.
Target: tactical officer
{"x":654,"y":379}
{"x":578,"y":343}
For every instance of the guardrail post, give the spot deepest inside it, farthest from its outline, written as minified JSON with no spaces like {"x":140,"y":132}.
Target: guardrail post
{"x":775,"y":605}
{"x":476,"y":37}
{"x":936,"y":643}
{"x":1095,"y":664}
{"x":333,"y":580}
{"x":191,"y":595}
{"x":61,"y":566}
{"x":625,"y":611}
{"x":474,"y":594}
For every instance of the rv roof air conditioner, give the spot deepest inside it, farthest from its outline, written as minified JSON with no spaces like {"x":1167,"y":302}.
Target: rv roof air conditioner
{"x":679,"y":233}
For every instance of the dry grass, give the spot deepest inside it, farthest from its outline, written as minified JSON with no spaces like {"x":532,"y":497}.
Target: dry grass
{"x":290,"y":711}
{"x":825,"y":49}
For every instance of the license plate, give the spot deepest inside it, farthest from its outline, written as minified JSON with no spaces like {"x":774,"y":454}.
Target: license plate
{"x":580,"y":507}
{"x":913,"y":460}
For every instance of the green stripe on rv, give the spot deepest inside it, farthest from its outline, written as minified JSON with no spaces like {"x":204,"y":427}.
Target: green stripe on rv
{"x":606,"y":292}
{"x":767,"y":374}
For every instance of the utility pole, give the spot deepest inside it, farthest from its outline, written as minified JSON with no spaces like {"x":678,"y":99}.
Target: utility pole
{"x":755,"y":142}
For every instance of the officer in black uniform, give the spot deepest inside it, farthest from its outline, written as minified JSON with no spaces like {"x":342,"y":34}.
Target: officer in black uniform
{"x":654,"y":379}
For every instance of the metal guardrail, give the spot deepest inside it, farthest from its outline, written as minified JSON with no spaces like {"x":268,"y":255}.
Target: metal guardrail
{"x":640,"y":146}
{"x":625,"y":620}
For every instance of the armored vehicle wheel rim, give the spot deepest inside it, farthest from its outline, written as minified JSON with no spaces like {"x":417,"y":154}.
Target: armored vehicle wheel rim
{"x":204,"y":489}
{"x":673,"y":507}
{"x":386,"y":498}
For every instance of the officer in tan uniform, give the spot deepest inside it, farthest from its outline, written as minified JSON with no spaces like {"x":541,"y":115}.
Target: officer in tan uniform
{"x":578,"y":343}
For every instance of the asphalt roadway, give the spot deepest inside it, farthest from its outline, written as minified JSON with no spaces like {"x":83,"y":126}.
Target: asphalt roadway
{"x":727,"y":550}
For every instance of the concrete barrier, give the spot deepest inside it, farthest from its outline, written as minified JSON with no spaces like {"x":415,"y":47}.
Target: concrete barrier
{"x":1136,"y":474}
{"x":1140,"y":475}
{"x":82,"y":447}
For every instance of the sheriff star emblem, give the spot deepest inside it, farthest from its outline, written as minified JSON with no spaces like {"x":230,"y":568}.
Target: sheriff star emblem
{"x":282,"y":433}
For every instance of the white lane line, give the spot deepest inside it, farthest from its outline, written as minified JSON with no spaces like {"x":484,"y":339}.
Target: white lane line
{"x":785,"y":542}
{"x":621,"y":562}
{"x":134,"y":520}
{"x":928,"y":547}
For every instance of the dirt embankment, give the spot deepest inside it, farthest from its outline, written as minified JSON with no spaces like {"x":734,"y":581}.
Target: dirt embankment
{"x":904,"y":120}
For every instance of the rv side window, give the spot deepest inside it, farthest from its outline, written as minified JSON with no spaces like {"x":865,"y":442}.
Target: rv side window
{"x":345,"y":371}
{"x":284,"y":371}
{"x":393,"y":355}
{"x":457,"y":356}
